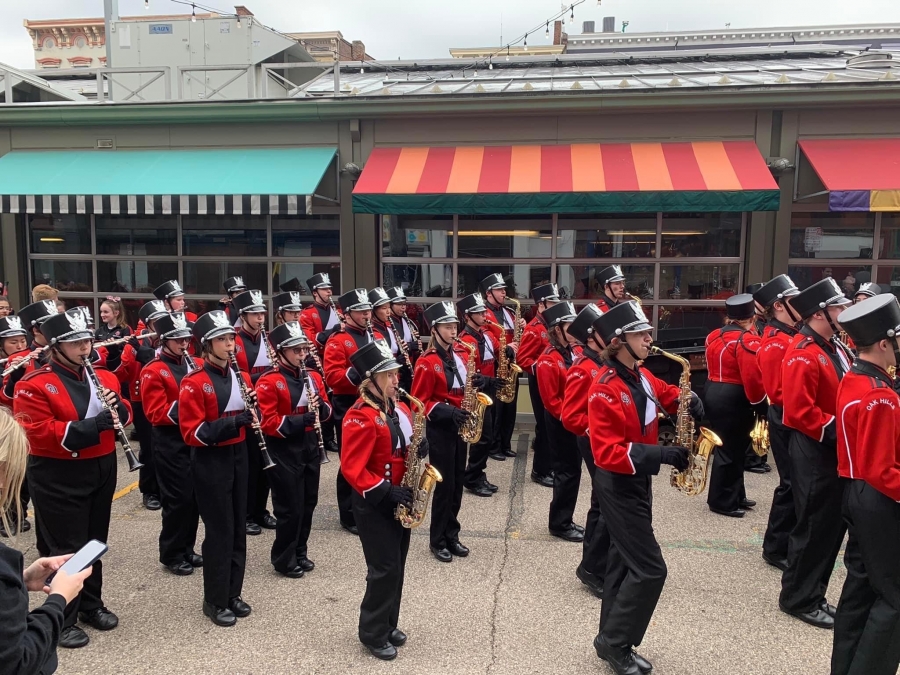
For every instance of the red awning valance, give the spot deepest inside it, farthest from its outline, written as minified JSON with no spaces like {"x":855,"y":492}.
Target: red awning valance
{"x":860,"y":174}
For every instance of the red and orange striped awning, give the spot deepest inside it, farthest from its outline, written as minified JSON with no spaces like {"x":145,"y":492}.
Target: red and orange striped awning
{"x":615,"y":177}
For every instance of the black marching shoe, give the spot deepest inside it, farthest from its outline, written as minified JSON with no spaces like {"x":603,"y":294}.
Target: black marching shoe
{"x":590,"y":580}
{"x":479,"y":490}
{"x":238,"y":607}
{"x":306,"y":564}
{"x":253,"y":529}
{"x":546,"y":481}
{"x":776,"y":561}
{"x":737,"y":513}
{"x":578,"y":527}
{"x":293,"y":573}
{"x":268,"y":522}
{"x":152,"y":503}
{"x":830,"y":610}
{"x":509,"y":452}
{"x":570,"y":533}
{"x":194,"y":560}
{"x":100,"y":618}
{"x":26,"y":526}
{"x":442,"y":554}
{"x":489,"y":485}
{"x":73,"y":638}
{"x":221,"y":616}
{"x":497,"y":455}
{"x":331,"y":445}
{"x":385,"y":652}
{"x":817,"y":617}
{"x":397,"y":637}
{"x":180,"y":569}
{"x":457,"y":549}
{"x":350,"y":528}
{"x":747,"y":504}
{"x":620,"y":659}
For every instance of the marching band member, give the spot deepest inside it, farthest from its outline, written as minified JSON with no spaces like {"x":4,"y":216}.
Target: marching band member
{"x":752,"y":462}
{"x":552,"y":369}
{"x":439,"y":382}
{"x":814,"y":365}
{"x":404,"y":325}
{"x":381,"y":322}
{"x":377,"y":434}
{"x":319,"y":320}
{"x":287,"y":307}
{"x":160,"y":385}
{"x":866,"y":290}
{"x":31,"y":316}
{"x":233,"y":286}
{"x":340,"y":376}
{"x":172,"y":294}
{"x":72,"y":468}
{"x":535,"y":341}
{"x":775,"y":299}
{"x":213,"y":418}
{"x":623,"y":410}
{"x":475,"y":333}
{"x":734,"y":391}
{"x":12,"y":341}
{"x":292,"y":401}
{"x":612,"y":281}
{"x":868,"y":432}
{"x":253,"y":358}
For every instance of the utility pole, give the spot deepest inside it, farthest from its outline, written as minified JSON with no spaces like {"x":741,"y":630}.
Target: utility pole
{"x":110,"y":15}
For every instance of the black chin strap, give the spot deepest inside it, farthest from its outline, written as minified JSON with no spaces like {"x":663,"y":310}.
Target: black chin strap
{"x":831,"y":322}
{"x":57,"y":350}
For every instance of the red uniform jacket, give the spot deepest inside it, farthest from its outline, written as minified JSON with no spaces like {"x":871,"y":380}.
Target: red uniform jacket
{"x":336,"y":362}
{"x":811,"y":367}
{"x":486,"y":356}
{"x":770,"y":357}
{"x":160,"y":384}
{"x":535,"y":342}
{"x":208,"y":401}
{"x":284,"y":398}
{"x":585,"y":369}
{"x":439,"y":382}
{"x":129,"y":370}
{"x":604,"y":304}
{"x":623,"y":421}
{"x":250,"y":353}
{"x":59,"y":408}
{"x":372,"y":455}
{"x":313,"y":319}
{"x":552,"y":368}
{"x":868,"y":429}
{"x":731,"y":358}
{"x":8,"y":388}
{"x":503,"y":316}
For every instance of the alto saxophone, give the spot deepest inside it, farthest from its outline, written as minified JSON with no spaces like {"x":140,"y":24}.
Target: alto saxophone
{"x":691,"y":481}
{"x":507,"y":372}
{"x":759,"y":437}
{"x":474,"y":402}
{"x":517,"y":328}
{"x":419,"y":476}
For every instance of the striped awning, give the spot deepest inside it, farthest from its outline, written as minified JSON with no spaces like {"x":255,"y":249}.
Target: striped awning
{"x":612,"y":178}
{"x":232,"y":181}
{"x":860,"y":174}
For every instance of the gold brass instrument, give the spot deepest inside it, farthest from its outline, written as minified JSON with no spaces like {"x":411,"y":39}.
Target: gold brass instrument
{"x":419,"y":476}
{"x":507,"y":372}
{"x":759,"y":437}
{"x":133,"y":463}
{"x":474,"y":402}
{"x":517,"y":327}
{"x":123,"y":340}
{"x":251,"y":406}
{"x":25,"y":360}
{"x":691,"y":481}
{"x":637,"y":301}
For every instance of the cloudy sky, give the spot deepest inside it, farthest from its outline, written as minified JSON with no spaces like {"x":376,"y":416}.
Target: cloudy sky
{"x":428,"y":28}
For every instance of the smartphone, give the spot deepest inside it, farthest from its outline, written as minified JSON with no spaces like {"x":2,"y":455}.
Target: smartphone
{"x":90,"y":553}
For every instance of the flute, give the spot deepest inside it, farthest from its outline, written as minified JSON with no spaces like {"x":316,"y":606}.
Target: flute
{"x":249,"y":405}
{"x":25,"y":361}
{"x":133,"y":462}
{"x":122,"y":340}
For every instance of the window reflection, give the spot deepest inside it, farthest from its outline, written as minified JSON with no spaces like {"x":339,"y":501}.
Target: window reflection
{"x":698,"y":281}
{"x":502,"y":237}
{"x":846,"y":275}
{"x":66,"y":275}
{"x":60,"y":234}
{"x":209,"y":277}
{"x":580,"y":281}
{"x":520,"y":279}
{"x":224,"y":235}
{"x":136,"y":235}
{"x":889,"y":247}
{"x":126,"y":276}
{"x":889,"y":279}
{"x":606,"y":236}
{"x":286,"y":273}
{"x":417,"y":236}
{"x":301,"y":237}
{"x":699,"y":235}
{"x":832,"y":235}
{"x":684,"y":326}
{"x":420,"y":281}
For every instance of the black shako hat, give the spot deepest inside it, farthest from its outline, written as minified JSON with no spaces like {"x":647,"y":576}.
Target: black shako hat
{"x":375,"y":357}
{"x":559,"y":313}
{"x":396,"y":294}
{"x":752,"y":288}
{"x":318,"y":281}
{"x":378,"y":296}
{"x":868,"y":288}
{"x":291,"y":285}
{"x":11,"y":326}
{"x":740,"y":307}
{"x":234,"y":284}
{"x":37,"y":312}
{"x":167,"y":290}
{"x":471,"y":304}
{"x":212,"y":325}
{"x":172,"y":326}
{"x":582,"y":326}
{"x":545,"y":292}
{"x":289,"y":301}
{"x":492,"y":281}
{"x":286,"y":335}
{"x":356,"y":300}
{"x":871,"y":320}
{"x":69,"y":326}
{"x":440,"y":312}
{"x":626,"y":317}
{"x":820,"y":295}
{"x":249,"y":301}
{"x":610,"y":274}
{"x":151,"y":311}
{"x":775,"y":290}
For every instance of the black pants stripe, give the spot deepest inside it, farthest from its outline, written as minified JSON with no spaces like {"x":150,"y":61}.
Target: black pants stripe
{"x":220,"y":482}
{"x":341,"y":404}
{"x":731,"y":417}
{"x":867,"y":626}
{"x":257,"y":481}
{"x":447,"y":453}
{"x":295,"y":493}
{"x":385,"y":544}
{"x":180,"y":515}
{"x":566,"y":472}
{"x":478,"y":452}
{"x":595,"y":549}
{"x":543,"y":456}
{"x":782,"y":516}
{"x":72,"y":504}
{"x":147,"y":482}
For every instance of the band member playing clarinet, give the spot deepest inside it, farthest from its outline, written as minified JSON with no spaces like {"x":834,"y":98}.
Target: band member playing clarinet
{"x":31,"y":317}
{"x":404,"y":325}
{"x":293,"y":406}
{"x":320,"y":320}
{"x":160,"y":383}
{"x":376,"y":438}
{"x":867,"y":624}
{"x":623,"y":407}
{"x":385,"y":329}
{"x":72,"y":469}
{"x":213,"y":419}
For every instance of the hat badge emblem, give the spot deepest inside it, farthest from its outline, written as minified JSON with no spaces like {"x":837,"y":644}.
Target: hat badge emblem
{"x":295,"y":298}
{"x":865,"y":286}
{"x":50,"y":306}
{"x":178,"y":321}
{"x":617,"y":270}
{"x":256,"y":297}
{"x":77,"y":321}
{"x":294,"y":329}
{"x":383,"y":349}
{"x":219,"y":319}
{"x":478,"y":299}
{"x":239,"y":281}
{"x":158,"y":305}
{"x":361,"y":296}
{"x":176,"y":287}
{"x":14,"y":323}
{"x":325,"y":279}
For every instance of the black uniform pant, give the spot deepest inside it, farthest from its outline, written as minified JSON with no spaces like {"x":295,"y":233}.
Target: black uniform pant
{"x":72,"y":504}
{"x":566,"y":472}
{"x":816,"y":539}
{"x":341,"y":404}
{"x":385,"y":543}
{"x":595,"y":548}
{"x":295,"y":493}
{"x":506,"y":420}
{"x":543,"y":456}
{"x":220,"y":482}
{"x":782,"y":516}
{"x":867,"y":626}
{"x":257,"y":481}
{"x":636,"y":572}
{"x":147,"y":482}
{"x":447,"y":452}
{"x":731,"y":417}
{"x":479,"y":452}
{"x":180,"y":515}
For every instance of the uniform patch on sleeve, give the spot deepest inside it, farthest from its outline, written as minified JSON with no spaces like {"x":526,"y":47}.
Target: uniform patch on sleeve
{"x":51,"y":388}
{"x":626,"y":399}
{"x":207,"y":387}
{"x":165,"y":373}
{"x":347,"y":343}
{"x":279,"y":384}
{"x":823,"y":360}
{"x":437,"y":368}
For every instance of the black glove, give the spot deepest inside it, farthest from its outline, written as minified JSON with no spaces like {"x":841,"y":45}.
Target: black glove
{"x":145,"y":355}
{"x":309,"y":418}
{"x":400,"y":495}
{"x":243,"y":419}
{"x":134,"y":343}
{"x":459,"y":417}
{"x":354,"y":377}
{"x":104,"y":421}
{"x":510,"y":352}
{"x":424,"y":449}
{"x":322,"y":337}
{"x":114,"y":351}
{"x":310,"y":363}
{"x":17,"y":374}
{"x":761,"y":408}
{"x":696,"y":407}
{"x":480,"y":381}
{"x":674,"y":455}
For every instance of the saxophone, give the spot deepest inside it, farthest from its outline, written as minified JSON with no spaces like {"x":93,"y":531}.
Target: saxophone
{"x":517,"y":328}
{"x":419,"y":476}
{"x":507,"y":372}
{"x":691,"y":481}
{"x":759,"y":437}
{"x":474,"y":402}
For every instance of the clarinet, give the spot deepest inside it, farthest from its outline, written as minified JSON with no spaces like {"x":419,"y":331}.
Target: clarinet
{"x":273,"y":360}
{"x":317,"y":424}
{"x":189,"y":362}
{"x":340,"y":316}
{"x":248,"y":405}
{"x":133,"y":463}
{"x":401,"y":345}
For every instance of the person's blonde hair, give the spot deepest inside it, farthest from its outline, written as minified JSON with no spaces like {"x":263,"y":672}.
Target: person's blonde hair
{"x":14,"y":454}
{"x":43,"y":292}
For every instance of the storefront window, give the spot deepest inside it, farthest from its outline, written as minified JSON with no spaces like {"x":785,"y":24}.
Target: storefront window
{"x":284,"y":273}
{"x":502,"y":237}
{"x":420,"y":281}
{"x":578,"y":282}
{"x":417,"y":236}
{"x":520,"y":279}
{"x":209,"y":277}
{"x":606,"y":236}
{"x":695,"y":281}
{"x":832,"y":235}
{"x":136,"y":235}
{"x":65,"y":275}
{"x":126,"y":276}
{"x":60,"y":234}
{"x":889,"y":279}
{"x":224,"y":236}
{"x":686,"y":325}
{"x":309,"y":236}
{"x":846,"y":275}
{"x":890,"y":237}
{"x":701,"y":235}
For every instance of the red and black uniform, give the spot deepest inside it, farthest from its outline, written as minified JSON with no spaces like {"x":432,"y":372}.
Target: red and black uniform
{"x":489,"y":444}
{"x":505,"y":413}
{"x":72,"y":468}
{"x":10,"y":381}
{"x":131,"y":363}
{"x":386,"y":333}
{"x":535,"y":342}
{"x":439,"y":382}
{"x":868,"y":433}
{"x":160,"y":384}
{"x":404,"y":325}
{"x":814,"y":367}
{"x":212,"y":420}
{"x":775,"y":342}
{"x":319,"y":322}
{"x":373,"y":459}
{"x":605,"y":304}
{"x":734,"y":390}
{"x":283,"y":404}
{"x":623,"y":427}
{"x":552,"y":370}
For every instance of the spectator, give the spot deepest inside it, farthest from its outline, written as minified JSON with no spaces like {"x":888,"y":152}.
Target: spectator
{"x":5,"y":307}
{"x":45,"y":292}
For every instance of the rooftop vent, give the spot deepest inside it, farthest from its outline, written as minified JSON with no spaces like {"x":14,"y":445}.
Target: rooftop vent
{"x":870,"y":60}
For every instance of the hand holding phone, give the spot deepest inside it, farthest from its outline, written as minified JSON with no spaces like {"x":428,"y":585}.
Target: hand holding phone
{"x":90,"y":553}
